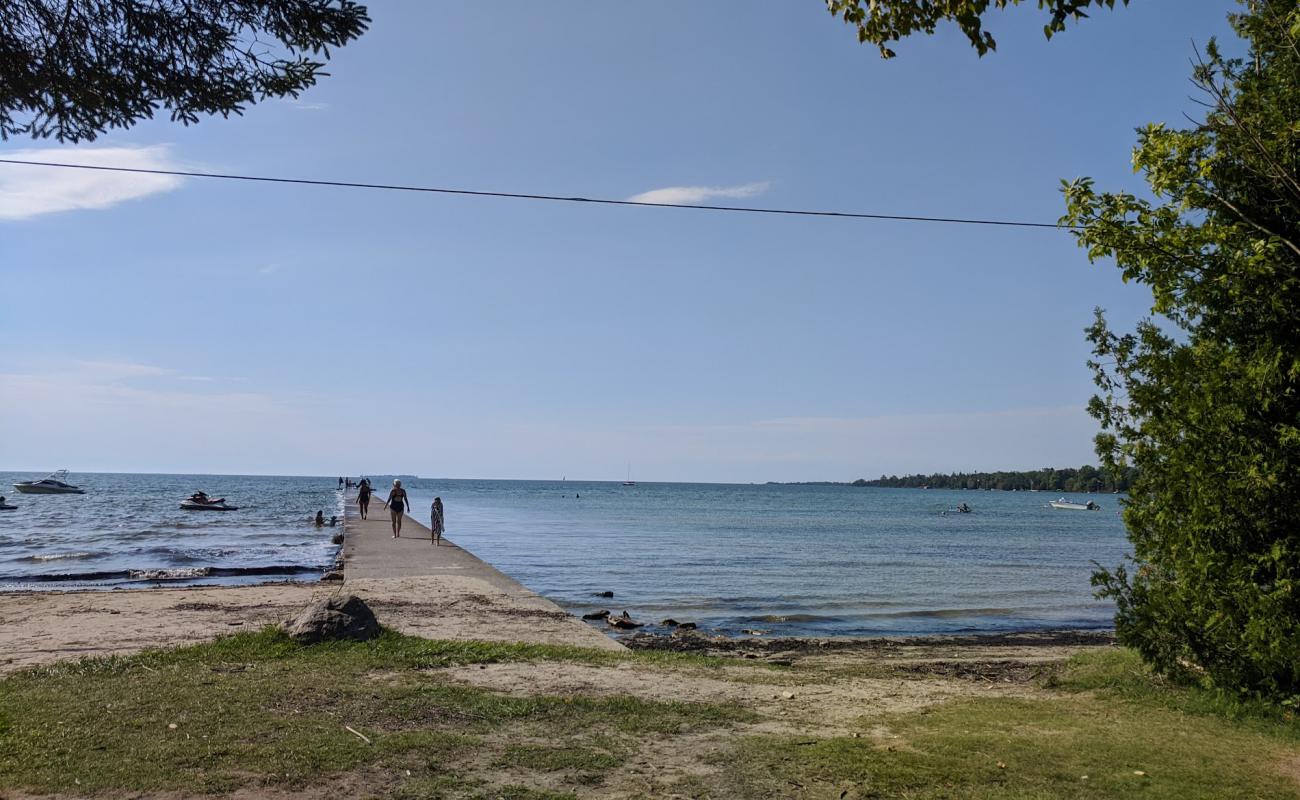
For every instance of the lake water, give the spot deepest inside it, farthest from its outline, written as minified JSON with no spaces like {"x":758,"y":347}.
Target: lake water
{"x":786,"y":560}
{"x":129,"y":530}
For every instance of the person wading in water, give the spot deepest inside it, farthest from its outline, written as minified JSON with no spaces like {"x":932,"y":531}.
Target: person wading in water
{"x":397,"y":504}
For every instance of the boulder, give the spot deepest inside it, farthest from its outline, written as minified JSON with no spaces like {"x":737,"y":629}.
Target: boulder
{"x":596,"y":614}
{"x":343,"y":616}
{"x":603,"y":594}
{"x":686,"y":626}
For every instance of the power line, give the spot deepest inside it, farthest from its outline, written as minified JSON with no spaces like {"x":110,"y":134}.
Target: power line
{"x":550,"y":197}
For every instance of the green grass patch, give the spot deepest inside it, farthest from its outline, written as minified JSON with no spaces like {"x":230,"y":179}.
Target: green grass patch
{"x":1002,"y":748}
{"x":1130,"y":733}
{"x":259,"y":709}
{"x":1121,"y":674}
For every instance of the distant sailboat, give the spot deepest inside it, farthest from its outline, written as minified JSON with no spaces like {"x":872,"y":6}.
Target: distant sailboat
{"x":629,"y":481}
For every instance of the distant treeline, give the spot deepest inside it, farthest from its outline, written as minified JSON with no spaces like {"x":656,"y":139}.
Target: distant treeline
{"x":1083,"y":479}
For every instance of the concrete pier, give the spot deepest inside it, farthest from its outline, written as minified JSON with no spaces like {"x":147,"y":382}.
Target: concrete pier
{"x":466,"y":597}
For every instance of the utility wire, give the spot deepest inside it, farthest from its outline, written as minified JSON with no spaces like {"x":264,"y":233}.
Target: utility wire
{"x":550,"y":197}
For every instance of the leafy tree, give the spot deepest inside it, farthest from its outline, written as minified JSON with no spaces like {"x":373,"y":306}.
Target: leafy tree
{"x":881,"y":22}
{"x":1204,"y":399}
{"x":73,"y":69}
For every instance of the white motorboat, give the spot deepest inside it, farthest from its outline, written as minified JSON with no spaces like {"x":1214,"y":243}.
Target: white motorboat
{"x":54,"y":483}
{"x":1072,"y":506}
{"x":201,"y":502}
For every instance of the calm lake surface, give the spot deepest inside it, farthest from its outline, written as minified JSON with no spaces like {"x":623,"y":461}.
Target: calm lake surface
{"x":786,"y":560}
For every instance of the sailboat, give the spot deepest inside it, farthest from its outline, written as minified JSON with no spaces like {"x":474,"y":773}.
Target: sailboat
{"x":629,"y":481}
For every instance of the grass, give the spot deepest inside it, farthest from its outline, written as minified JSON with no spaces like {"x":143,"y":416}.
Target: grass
{"x":1115,"y":731}
{"x":257,"y":710}
{"x":260,"y":709}
{"x":1120,"y":674}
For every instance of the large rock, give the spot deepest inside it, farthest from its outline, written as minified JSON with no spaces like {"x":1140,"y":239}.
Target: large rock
{"x":342,"y":616}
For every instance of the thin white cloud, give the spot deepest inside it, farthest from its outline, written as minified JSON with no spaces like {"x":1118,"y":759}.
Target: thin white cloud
{"x":27,"y":192}
{"x":116,"y":370}
{"x":300,"y":105}
{"x":692,"y":195}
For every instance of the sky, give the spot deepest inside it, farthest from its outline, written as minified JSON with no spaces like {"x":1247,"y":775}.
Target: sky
{"x":157,"y":324}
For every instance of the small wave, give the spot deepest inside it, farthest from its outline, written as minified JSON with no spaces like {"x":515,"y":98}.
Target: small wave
{"x":41,"y":557}
{"x":61,"y":577}
{"x":172,"y":574}
{"x":164,"y":574}
{"x":272,"y":569}
{"x":791,"y":618}
{"x":949,"y":613}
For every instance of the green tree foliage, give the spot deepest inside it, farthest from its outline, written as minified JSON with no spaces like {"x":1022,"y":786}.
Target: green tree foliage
{"x":73,"y":69}
{"x":881,"y":22}
{"x":1204,"y":398}
{"x":1084,"y":479}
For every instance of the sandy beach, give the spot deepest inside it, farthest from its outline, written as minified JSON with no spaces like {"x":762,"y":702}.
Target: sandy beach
{"x":413,"y":587}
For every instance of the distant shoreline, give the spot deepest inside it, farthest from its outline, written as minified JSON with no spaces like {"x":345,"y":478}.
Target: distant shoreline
{"x":1086,"y":479}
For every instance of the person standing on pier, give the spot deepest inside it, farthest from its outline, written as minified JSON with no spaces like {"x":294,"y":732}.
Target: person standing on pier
{"x":435,"y":522}
{"x":397,"y":504}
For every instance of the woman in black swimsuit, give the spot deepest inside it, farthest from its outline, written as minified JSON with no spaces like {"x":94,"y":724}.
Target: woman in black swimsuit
{"x":363,"y":499}
{"x":397,"y":504}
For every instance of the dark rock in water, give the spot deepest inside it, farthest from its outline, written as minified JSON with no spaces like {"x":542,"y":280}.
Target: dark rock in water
{"x":596,"y":614}
{"x":336,"y":538}
{"x":670,"y":623}
{"x":686,"y":626}
{"x":623,"y":623}
{"x":339,"y":617}
{"x":604,"y":594}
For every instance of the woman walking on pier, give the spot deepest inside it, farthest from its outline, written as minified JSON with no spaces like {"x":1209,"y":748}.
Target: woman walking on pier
{"x":435,"y":523}
{"x":397,"y":504}
{"x":363,"y":498}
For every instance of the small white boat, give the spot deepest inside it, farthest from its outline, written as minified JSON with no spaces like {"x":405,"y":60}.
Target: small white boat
{"x":1072,"y":506}
{"x":54,"y":483}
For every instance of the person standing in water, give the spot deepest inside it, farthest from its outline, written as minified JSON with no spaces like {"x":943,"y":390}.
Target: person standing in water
{"x":363,"y":498}
{"x":436,"y":521}
{"x":397,"y":504}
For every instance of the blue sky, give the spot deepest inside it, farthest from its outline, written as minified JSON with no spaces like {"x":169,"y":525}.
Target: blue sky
{"x":201,"y":326}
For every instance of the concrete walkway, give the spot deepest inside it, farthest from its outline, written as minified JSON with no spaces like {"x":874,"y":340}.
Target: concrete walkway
{"x":465,"y":597}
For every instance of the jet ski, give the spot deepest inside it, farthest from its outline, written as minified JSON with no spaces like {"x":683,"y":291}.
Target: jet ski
{"x":5,"y":506}
{"x":201,"y":502}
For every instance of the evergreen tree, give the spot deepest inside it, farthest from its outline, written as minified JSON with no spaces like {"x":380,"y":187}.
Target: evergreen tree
{"x":74,"y":69}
